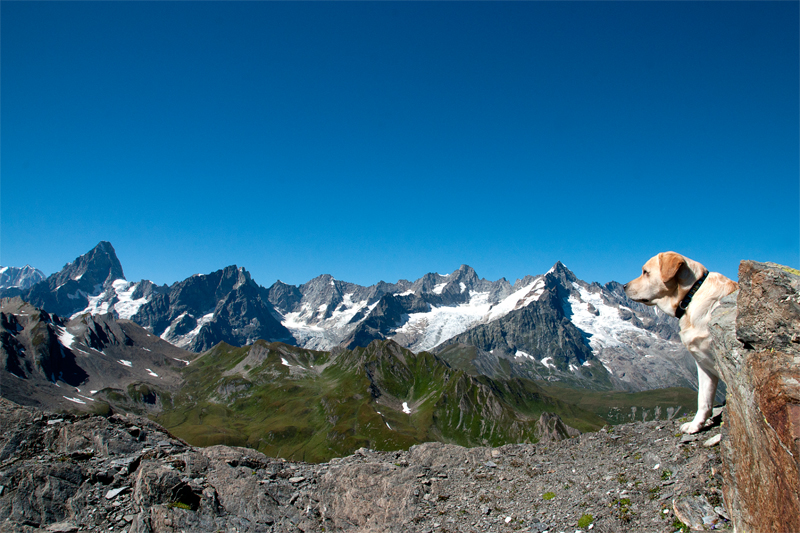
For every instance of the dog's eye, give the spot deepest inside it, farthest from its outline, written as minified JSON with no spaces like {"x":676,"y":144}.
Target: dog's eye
{"x":644,"y":272}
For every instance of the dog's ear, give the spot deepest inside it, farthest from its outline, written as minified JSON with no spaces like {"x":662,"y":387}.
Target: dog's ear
{"x":670,"y":263}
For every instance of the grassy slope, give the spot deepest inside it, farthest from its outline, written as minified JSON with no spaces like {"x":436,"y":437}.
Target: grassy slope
{"x":617,"y":407}
{"x":324,"y":406}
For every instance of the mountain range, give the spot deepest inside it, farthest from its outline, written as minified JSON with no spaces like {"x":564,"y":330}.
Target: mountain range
{"x":552,"y":327}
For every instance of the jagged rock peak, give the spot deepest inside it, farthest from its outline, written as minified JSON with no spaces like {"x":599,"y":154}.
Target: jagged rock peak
{"x":284,"y":297}
{"x":240,"y":273}
{"x":466,"y":269}
{"x":560,"y":270}
{"x":100,"y":264}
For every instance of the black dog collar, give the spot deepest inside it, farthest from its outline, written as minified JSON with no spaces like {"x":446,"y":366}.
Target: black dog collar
{"x":683,"y":304}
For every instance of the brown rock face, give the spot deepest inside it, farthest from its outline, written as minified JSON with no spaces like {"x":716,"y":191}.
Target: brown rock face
{"x":756,"y":334}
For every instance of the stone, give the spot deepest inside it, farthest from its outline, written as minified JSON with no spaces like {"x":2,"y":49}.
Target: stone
{"x":695,"y":512}
{"x":690,"y":437}
{"x":62,"y":527}
{"x":713,"y":441}
{"x":751,"y":334}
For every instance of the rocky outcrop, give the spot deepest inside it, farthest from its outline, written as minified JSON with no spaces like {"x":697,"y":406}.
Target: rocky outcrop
{"x":755,"y":335}
{"x":550,"y":428}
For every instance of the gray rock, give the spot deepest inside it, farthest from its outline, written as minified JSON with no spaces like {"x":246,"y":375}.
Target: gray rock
{"x":62,"y":527}
{"x":113,"y":493}
{"x":178,"y":487}
{"x":695,"y":512}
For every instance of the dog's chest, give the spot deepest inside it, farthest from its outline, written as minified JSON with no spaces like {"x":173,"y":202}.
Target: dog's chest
{"x":697,"y":341}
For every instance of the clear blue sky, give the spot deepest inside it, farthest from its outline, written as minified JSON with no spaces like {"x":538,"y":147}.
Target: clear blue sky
{"x":379,"y":141}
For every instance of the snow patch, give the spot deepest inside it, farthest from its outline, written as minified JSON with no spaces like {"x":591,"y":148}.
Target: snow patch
{"x":76,"y":400}
{"x":181,"y":341}
{"x":151,"y":373}
{"x":65,"y":337}
{"x":312,"y":331}
{"x":124,"y":362}
{"x":438,"y":289}
{"x":547,"y":361}
{"x":606,"y":327}
{"x":126,"y":307}
{"x":406,"y":409}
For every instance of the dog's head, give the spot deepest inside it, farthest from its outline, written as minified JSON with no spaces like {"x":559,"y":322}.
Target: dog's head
{"x":661,"y":278}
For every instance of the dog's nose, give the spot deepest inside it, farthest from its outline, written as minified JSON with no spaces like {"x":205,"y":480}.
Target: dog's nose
{"x":625,"y":287}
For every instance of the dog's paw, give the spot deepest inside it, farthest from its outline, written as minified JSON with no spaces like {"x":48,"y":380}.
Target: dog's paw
{"x":692,"y":427}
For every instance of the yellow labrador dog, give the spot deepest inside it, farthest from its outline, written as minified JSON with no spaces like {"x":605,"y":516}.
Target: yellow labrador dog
{"x":687,"y":290}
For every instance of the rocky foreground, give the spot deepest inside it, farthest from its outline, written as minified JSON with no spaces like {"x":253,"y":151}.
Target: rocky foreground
{"x":61,"y":472}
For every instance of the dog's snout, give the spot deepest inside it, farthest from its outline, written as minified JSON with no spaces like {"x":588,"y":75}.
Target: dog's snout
{"x":625,"y":287}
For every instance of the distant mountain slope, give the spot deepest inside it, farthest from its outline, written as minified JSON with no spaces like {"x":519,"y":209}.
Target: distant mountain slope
{"x":309,"y":405}
{"x":197,"y":313}
{"x":77,"y":285}
{"x":204,"y":310}
{"x":325,"y":312}
{"x":20,"y":278}
{"x":85,"y":363}
{"x":571,"y":329}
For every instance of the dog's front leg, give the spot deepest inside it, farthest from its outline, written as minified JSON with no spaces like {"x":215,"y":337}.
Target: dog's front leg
{"x":706,"y":390}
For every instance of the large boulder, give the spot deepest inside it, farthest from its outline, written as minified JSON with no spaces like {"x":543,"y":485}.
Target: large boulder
{"x":756,"y":336}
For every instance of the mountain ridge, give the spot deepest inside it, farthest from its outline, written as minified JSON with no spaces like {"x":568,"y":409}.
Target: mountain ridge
{"x":547,"y":326}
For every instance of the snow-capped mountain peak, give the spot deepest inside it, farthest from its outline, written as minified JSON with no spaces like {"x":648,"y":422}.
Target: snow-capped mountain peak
{"x":20,"y":278}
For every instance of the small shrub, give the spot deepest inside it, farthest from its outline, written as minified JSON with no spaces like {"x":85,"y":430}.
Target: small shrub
{"x":666,"y":474}
{"x":179,"y":505}
{"x":585,"y":520}
{"x":621,"y":508}
{"x":548,"y":495}
{"x":680,"y":526}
